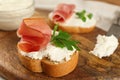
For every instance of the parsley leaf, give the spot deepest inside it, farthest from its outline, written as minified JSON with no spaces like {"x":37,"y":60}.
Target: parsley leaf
{"x":63,"y":39}
{"x":90,"y":16}
{"x":83,"y":19}
{"x":82,"y":15}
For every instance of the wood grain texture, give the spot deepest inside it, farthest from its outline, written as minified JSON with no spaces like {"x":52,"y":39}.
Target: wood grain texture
{"x":115,"y":2}
{"x":89,"y":66}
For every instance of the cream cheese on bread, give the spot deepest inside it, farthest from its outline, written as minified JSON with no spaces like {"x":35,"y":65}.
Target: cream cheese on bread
{"x":52,"y":52}
{"x":106,"y":45}
{"x":76,"y":22}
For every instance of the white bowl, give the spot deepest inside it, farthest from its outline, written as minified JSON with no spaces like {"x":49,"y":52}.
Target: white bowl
{"x":11,"y":18}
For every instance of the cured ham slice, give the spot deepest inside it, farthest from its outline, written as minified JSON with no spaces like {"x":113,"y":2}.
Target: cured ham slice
{"x":35,"y":34}
{"x":34,"y":27}
{"x":63,"y":12}
{"x":27,"y":47}
{"x":29,"y":44}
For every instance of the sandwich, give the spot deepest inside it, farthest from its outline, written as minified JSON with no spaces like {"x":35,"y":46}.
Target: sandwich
{"x":42,"y":49}
{"x":70,"y":20}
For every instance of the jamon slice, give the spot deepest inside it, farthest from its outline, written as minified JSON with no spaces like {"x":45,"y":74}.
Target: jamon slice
{"x":63,"y":12}
{"x":34,"y":27}
{"x":35,"y":34}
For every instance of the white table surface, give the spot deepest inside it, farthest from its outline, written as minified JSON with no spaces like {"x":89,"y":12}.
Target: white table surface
{"x":106,"y":12}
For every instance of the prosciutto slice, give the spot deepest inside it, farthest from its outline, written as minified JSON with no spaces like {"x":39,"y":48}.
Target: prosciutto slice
{"x":63,"y":12}
{"x":34,"y":27}
{"x":35,"y":34}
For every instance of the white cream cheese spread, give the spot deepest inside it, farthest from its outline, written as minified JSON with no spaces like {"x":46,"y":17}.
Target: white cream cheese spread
{"x":52,"y":52}
{"x":76,"y":22}
{"x":105,"y":46}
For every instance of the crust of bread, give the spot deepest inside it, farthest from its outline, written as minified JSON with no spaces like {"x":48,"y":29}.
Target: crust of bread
{"x":49,"y":67}
{"x":33,"y":65}
{"x":72,"y":29}
{"x":61,"y":69}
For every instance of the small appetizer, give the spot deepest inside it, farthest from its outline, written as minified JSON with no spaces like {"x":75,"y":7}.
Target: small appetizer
{"x":42,"y":50}
{"x":105,"y":46}
{"x":70,"y":20}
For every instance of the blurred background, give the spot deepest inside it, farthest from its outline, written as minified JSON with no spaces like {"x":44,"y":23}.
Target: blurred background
{"x":106,"y":11}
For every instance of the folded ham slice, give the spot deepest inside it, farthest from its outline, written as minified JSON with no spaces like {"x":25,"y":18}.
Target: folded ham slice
{"x":34,"y":27}
{"x":35,"y":34}
{"x":63,"y":12}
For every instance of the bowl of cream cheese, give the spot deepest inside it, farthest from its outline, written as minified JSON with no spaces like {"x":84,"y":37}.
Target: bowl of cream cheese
{"x":12,"y":12}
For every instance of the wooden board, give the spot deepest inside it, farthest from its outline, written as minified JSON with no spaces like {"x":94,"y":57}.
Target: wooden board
{"x":89,"y":66}
{"x":115,"y":2}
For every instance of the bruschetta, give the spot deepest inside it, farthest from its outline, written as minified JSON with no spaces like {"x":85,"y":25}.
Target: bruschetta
{"x":40,"y":49}
{"x":70,"y":20}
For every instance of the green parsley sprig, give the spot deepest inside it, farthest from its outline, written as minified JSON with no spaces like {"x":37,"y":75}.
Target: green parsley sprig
{"x":90,"y":15}
{"x":82,"y":15}
{"x":63,"y":39}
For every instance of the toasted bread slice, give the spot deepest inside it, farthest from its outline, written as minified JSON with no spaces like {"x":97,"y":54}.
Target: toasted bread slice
{"x":72,"y":29}
{"x":33,"y":65}
{"x":60,"y":69}
{"x":49,"y":67}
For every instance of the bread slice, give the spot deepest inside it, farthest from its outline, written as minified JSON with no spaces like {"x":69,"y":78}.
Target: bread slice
{"x":71,"y":29}
{"x":49,"y":67}
{"x":33,"y":65}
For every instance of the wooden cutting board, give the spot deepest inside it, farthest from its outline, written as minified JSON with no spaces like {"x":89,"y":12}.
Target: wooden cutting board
{"x":89,"y":66}
{"x":115,"y":2}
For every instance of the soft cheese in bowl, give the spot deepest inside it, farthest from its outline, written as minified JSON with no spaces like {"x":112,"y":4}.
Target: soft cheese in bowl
{"x":12,"y":13}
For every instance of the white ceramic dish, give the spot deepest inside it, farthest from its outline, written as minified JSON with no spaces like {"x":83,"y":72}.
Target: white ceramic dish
{"x":11,"y":17}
